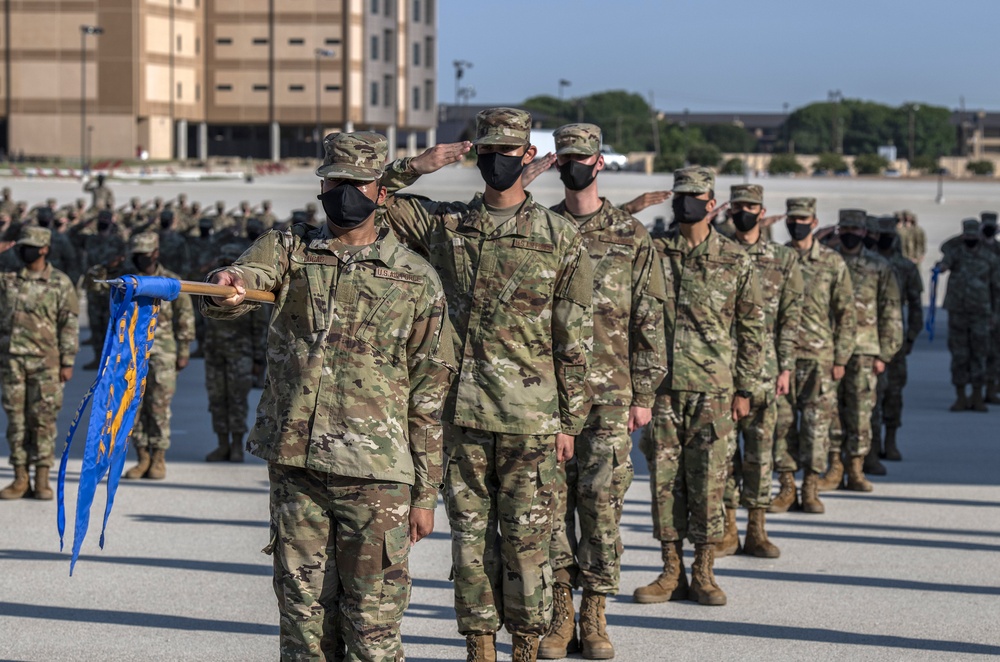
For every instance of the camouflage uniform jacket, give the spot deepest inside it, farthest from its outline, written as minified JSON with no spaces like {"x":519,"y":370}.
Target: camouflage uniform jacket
{"x":174,"y":324}
{"x":781,"y":290}
{"x":243,"y":336}
{"x":38,"y":314}
{"x":103,"y":198}
{"x":714,"y":315}
{"x":519,"y":298}
{"x":629,"y":359}
{"x":879,"y":314}
{"x":827,"y":323}
{"x":911,"y":289}
{"x":358,"y":354}
{"x":974,"y":281}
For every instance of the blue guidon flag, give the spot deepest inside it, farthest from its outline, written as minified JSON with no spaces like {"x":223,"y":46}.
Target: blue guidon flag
{"x":116,"y":393}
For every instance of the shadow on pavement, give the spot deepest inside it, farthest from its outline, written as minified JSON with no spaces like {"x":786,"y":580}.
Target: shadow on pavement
{"x":107,"y":617}
{"x":930,"y":501}
{"x":784,"y":632}
{"x":886,"y":527}
{"x":170,"y":519}
{"x":175,"y":564}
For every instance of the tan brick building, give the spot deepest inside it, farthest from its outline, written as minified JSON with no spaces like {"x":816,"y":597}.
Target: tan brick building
{"x":200,"y":78}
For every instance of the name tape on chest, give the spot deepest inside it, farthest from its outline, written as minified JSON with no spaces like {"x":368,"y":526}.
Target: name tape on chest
{"x":533,"y":245}
{"x":382,"y":272}
{"x":613,"y":239}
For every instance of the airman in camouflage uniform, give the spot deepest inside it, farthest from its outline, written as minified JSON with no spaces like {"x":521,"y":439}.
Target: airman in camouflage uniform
{"x":174,"y":252}
{"x":973,"y":305}
{"x":169,"y":355}
{"x":223,"y":222}
{"x":627,"y":364}
{"x":714,"y":317}
{"x":988,"y":227}
{"x":132,"y":215}
{"x":62,"y":255}
{"x":38,"y":344}
{"x":749,"y":481}
{"x":519,"y":287}
{"x":102,"y":197}
{"x":879,"y":335}
{"x":7,"y":204}
{"x":914,"y":239}
{"x":360,"y":360}
{"x":266,"y":216}
{"x":824,"y":345}
{"x":106,"y":252}
{"x":911,"y":289}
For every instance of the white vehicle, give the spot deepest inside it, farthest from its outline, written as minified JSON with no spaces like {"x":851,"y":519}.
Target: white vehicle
{"x":612,"y":159}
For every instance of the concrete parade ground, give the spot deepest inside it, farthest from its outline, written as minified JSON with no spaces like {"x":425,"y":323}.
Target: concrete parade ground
{"x":908,"y":572}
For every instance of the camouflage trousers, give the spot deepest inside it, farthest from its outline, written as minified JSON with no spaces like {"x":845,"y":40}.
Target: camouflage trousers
{"x":857,"y":393}
{"x":805,"y":416}
{"x":993,"y":362}
{"x":592,"y":486}
{"x":749,"y":479}
{"x":969,"y":342}
{"x":228,"y":380}
{"x":498,"y":493}
{"x":892,"y":405}
{"x":686,"y":448}
{"x":881,"y":386}
{"x":152,"y":422}
{"x":340,"y":548}
{"x":32,"y":398}
{"x":99,"y":314}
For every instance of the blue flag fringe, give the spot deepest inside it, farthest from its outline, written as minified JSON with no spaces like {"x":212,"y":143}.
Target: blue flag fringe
{"x":932,"y":312}
{"x":116,"y":394}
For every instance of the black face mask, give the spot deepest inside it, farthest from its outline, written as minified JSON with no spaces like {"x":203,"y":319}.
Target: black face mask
{"x":143,"y":261}
{"x":971,"y":243}
{"x":798,"y":231}
{"x":989,"y":231}
{"x":346,"y":207}
{"x":851,"y":241}
{"x":29,"y":254}
{"x":500,"y":171}
{"x":870,"y":242}
{"x":744,"y":220}
{"x":577,"y":176}
{"x":886,"y":241}
{"x":689,"y":209}
{"x":205,"y":232}
{"x":166,"y":223}
{"x":44,"y":222}
{"x":103,"y":226}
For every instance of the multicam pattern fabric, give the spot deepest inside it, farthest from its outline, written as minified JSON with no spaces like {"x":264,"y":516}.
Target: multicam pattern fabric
{"x":503,"y":126}
{"x":358,"y":156}
{"x":584,"y":139}
{"x":828,"y":319}
{"x":877,"y":309}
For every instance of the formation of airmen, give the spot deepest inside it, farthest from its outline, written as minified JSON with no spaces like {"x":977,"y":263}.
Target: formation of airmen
{"x":503,"y":353}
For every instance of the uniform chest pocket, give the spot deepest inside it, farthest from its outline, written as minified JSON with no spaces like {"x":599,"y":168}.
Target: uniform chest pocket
{"x":386,"y":326}
{"x":307,"y":302}
{"x":528,"y":291}
{"x":614,"y":256}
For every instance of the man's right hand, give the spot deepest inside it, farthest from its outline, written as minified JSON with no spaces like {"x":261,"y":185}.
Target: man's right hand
{"x":647,"y":199}
{"x":231,"y":279}
{"x":437,"y":157}
{"x":838,"y":373}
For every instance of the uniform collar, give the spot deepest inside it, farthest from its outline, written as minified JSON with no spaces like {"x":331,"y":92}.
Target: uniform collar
{"x":383,"y":249}
{"x":479,"y":218}
{"x":599,"y":221}
{"x":44,"y":274}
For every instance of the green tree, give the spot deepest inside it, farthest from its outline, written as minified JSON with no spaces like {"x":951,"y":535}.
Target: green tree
{"x":729,"y":138}
{"x":784,"y":164}
{"x":668,"y":162}
{"x":732,"y":167}
{"x":980,"y":167}
{"x":928,"y":164}
{"x":704,"y":155}
{"x":830,"y":162}
{"x":870,"y":164}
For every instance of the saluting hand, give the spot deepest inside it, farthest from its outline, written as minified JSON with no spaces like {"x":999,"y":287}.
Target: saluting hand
{"x":437,"y":157}
{"x":647,"y":199}
{"x":536,"y":167}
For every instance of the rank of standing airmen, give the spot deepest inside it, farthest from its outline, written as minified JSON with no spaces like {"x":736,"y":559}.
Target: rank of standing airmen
{"x":560,"y":331}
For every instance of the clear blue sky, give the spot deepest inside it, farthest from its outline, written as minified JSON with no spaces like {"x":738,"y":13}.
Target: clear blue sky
{"x":726,"y":55}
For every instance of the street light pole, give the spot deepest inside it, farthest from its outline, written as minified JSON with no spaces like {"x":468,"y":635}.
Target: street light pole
{"x":914,"y":108}
{"x":563,"y":83}
{"x":460,"y":67}
{"x":84,"y":31}
{"x":318,"y":135}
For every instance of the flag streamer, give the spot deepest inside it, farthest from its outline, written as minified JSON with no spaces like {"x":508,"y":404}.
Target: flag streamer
{"x":932,"y":313}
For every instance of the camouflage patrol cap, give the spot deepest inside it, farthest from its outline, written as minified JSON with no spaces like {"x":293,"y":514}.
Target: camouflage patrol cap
{"x":32,"y":235}
{"x":751,"y":193}
{"x":135,"y":202}
{"x":266,"y":204}
{"x":802,"y":207}
{"x":584,"y":139}
{"x":311,"y":207}
{"x":696,"y":179}
{"x":503,"y":126}
{"x":51,"y":202}
{"x":988,"y":217}
{"x":970,"y":227}
{"x":145,"y":242}
{"x":887,"y":225}
{"x":6,"y":191}
{"x":871,"y":224}
{"x":220,"y":204}
{"x":359,"y":156}
{"x":853,"y":218}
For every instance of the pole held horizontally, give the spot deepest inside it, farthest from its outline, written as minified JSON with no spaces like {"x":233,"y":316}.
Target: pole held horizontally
{"x":209,"y":290}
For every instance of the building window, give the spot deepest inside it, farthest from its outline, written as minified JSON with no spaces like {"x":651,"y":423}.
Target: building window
{"x":260,"y":88}
{"x":374,"y":6}
{"x":428,"y":94}
{"x":429,"y":52}
{"x":387,"y":96}
{"x":296,"y":88}
{"x":374,"y":98}
{"x":224,"y":88}
{"x":332,"y":88}
{"x":180,"y":43}
{"x":429,"y":12}
{"x":197,"y":45}
{"x":388,"y":7}
{"x":332,"y":42}
{"x":260,"y":41}
{"x":416,"y":55}
{"x":416,"y":11}
{"x":223,"y":41}
{"x":180,"y":90}
{"x":374,"y":46}
{"x":416,"y":98}
{"x":197,"y":92}
{"x":297,"y":41}
{"x":387,"y":45}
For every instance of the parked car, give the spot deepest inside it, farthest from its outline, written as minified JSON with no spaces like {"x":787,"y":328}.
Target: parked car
{"x":612,"y":159}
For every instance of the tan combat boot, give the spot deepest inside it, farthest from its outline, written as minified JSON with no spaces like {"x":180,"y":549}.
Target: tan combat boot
{"x":672,"y":584}
{"x":41,"y":490}
{"x":19,"y":487}
{"x":856,"y":480}
{"x":786,"y":498}
{"x":891,"y":452}
{"x":730,"y":543}
{"x":834,"y":475}
{"x":961,"y":403}
{"x":236,"y":449}
{"x":977,"y":404}
{"x":525,"y":648}
{"x":481,"y":647}
{"x":157,"y":465}
{"x":139,"y":470}
{"x":221,"y":453}
{"x":704,"y":590}
{"x":756,"y":542}
{"x":810,"y":493}
{"x":594,"y":628}
{"x":561,"y":639}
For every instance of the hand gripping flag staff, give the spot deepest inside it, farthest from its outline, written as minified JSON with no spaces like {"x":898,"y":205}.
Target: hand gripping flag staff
{"x":118,"y":389}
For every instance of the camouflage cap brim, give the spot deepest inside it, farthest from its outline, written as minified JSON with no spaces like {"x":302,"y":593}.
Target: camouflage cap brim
{"x":343,"y":171}
{"x":496,"y":139}
{"x":575,"y":149}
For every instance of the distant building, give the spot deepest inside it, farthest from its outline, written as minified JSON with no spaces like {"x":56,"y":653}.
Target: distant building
{"x":978,"y":134}
{"x":201,"y":78}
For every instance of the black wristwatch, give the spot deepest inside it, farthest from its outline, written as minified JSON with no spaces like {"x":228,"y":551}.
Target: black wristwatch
{"x":743,"y":393}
